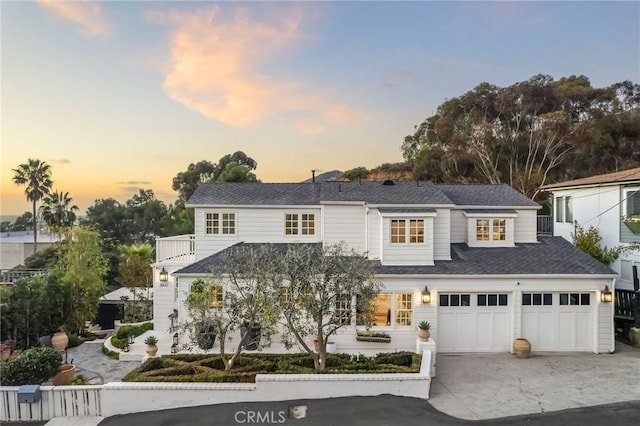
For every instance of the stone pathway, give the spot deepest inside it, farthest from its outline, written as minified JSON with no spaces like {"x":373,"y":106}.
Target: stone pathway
{"x":96,"y":366}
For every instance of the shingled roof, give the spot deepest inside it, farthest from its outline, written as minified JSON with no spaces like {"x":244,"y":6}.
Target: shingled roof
{"x":552,"y":255}
{"x":375,"y":193}
{"x":486,"y":195}
{"x":624,"y":176}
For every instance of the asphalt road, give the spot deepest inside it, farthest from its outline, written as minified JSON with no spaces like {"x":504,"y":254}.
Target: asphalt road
{"x":364,"y":411}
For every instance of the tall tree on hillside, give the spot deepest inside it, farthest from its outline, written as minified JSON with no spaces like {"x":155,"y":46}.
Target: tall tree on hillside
{"x":528,"y":134}
{"x":35,"y":175}
{"x":57,"y":211}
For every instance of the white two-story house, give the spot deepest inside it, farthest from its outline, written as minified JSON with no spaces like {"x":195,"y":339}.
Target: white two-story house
{"x":473,"y":248}
{"x":608,"y":202}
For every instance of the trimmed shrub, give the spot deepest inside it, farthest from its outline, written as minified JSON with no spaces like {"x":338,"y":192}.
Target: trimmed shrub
{"x":124,"y":331}
{"x":31,"y":367}
{"x":74,"y":340}
{"x":118,"y":343}
{"x":210,"y":368}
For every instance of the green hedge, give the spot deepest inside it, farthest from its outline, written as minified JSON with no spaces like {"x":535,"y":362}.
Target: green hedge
{"x":137,"y":330}
{"x":210,"y":367}
{"x":110,"y":354}
{"x":31,"y":367}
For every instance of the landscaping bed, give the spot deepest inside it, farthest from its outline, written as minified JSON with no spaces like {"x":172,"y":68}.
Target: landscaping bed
{"x":210,"y":368}
{"x":120,"y":339}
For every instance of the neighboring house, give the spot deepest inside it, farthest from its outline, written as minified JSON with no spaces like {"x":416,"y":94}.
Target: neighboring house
{"x":473,"y":246}
{"x":606,"y":202}
{"x":18,"y":245}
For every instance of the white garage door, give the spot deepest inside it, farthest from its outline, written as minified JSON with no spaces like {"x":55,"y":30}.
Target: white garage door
{"x":558,"y":321}
{"x":474,"y":322}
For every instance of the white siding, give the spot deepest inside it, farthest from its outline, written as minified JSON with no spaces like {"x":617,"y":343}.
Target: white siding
{"x":345,"y":223}
{"x":407,"y":254}
{"x":598,"y":207}
{"x":258,"y":225}
{"x":163,"y":297}
{"x":441,"y":235}
{"x":526,"y":226}
{"x":374,"y":233}
{"x":458,"y":226}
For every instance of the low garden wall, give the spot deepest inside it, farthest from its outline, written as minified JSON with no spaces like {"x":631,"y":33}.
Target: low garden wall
{"x":133,"y":397}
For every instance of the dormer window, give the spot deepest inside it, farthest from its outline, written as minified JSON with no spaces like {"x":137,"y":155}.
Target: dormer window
{"x":401,"y":228}
{"x":491,"y":229}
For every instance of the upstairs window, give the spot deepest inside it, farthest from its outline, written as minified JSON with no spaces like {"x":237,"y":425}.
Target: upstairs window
{"x":400,"y":228}
{"x":491,"y":229}
{"x":299,"y":224}
{"x":220,"y":223}
{"x":632,"y":203}
{"x":398,"y":231}
{"x":564,"y":210}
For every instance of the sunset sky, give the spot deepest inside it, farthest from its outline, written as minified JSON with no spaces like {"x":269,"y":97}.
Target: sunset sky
{"x":118,"y":96}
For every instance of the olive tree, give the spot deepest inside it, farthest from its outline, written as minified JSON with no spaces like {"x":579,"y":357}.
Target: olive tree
{"x":320,"y":284}
{"x":240,"y":294}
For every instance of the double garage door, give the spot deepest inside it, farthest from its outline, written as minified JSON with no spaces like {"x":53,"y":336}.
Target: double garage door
{"x":483,"y":322}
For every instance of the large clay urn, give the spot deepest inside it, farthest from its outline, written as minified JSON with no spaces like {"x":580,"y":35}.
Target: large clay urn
{"x":65,"y":375}
{"x":59,"y":341}
{"x":522,"y":348}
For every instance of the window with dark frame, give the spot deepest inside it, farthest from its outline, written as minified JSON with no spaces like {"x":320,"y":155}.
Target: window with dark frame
{"x":575,"y":299}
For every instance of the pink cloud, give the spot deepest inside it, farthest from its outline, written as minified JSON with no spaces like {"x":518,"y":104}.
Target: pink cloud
{"x":216,"y":66}
{"x":87,"y":14}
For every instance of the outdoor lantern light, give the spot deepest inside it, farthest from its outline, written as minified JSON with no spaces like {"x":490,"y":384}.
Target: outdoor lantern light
{"x":174,"y":349}
{"x":605,"y":295}
{"x":426,"y":295}
{"x":126,"y":347}
{"x":164,"y":276}
{"x":175,"y":339}
{"x":130,"y":339}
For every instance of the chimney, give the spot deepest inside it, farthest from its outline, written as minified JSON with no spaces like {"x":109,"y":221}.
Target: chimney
{"x":313,"y":176}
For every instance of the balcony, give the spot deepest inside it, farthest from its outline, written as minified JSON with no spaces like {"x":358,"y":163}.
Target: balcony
{"x":180,"y":248}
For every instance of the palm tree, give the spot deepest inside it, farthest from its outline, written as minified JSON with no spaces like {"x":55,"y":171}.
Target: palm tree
{"x":56,"y":210}
{"x":35,"y":175}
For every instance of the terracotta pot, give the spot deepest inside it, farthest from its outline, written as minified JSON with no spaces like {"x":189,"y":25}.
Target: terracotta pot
{"x":522,"y":348}
{"x":65,"y":375}
{"x":424,"y":334}
{"x":59,"y":341}
{"x":152,"y":350}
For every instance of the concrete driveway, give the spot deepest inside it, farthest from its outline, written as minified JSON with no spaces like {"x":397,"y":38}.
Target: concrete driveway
{"x":483,"y":386}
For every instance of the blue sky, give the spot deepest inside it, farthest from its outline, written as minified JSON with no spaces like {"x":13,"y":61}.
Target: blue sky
{"x":122,"y":95}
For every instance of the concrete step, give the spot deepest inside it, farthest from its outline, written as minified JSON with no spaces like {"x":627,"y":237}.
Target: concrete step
{"x":75,"y":421}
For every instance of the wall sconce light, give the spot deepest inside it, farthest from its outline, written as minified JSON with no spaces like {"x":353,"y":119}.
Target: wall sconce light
{"x":175,"y":339}
{"x":426,"y":295}
{"x":164,"y":276}
{"x":130,"y":339}
{"x":605,"y":295}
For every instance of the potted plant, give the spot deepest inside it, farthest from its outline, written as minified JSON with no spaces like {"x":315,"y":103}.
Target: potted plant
{"x":65,"y":375}
{"x":152,"y":348}
{"x":521,"y":347}
{"x":423,"y":330}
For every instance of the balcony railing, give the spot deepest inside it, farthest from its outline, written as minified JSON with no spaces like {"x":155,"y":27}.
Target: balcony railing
{"x":545,"y":226}
{"x":10,"y":276}
{"x":178,"y":248}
